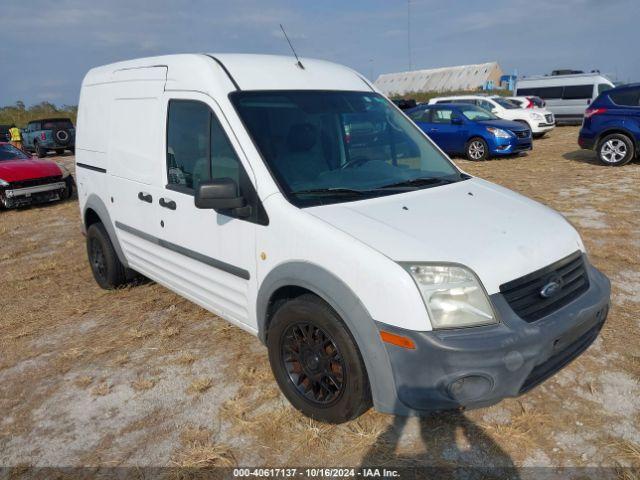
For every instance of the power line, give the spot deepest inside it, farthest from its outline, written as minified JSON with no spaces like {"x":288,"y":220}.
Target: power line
{"x":409,"y":34}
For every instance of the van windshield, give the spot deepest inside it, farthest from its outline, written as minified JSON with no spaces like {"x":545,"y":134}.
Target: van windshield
{"x":329,"y":146}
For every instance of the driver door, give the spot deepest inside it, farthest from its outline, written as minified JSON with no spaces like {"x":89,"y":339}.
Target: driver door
{"x":210,"y":256}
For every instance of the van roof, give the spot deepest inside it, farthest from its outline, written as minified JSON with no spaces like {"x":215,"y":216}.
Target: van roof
{"x":240,"y":72}
{"x":560,"y":77}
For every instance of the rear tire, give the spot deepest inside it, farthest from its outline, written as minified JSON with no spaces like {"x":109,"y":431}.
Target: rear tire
{"x":477,"y":150}
{"x":106,"y":267}
{"x":316,"y":361}
{"x":615,"y":150}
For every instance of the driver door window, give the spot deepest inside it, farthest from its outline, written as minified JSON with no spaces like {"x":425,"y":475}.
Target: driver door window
{"x":197,"y":148}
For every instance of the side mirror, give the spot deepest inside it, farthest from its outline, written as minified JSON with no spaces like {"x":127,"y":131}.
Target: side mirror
{"x":456,"y":120}
{"x":221,"y":194}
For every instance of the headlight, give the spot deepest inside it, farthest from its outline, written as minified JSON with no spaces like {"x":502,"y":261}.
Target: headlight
{"x":537,"y":116}
{"x":498,"y":132}
{"x":453,"y":295}
{"x":63,"y":169}
{"x":3,"y":183}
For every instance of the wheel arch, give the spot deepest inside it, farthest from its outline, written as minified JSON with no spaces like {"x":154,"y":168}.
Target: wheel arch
{"x":621,"y":131}
{"x":94,"y":211}
{"x":292,"y":279}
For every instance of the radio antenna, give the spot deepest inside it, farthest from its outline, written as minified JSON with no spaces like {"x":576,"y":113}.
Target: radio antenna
{"x":292,"y":49}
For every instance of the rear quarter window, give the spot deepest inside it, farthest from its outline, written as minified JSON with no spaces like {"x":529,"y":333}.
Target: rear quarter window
{"x":577,"y":92}
{"x":627,"y":98}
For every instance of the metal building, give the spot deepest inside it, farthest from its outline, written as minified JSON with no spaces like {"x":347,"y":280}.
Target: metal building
{"x":463,"y":77}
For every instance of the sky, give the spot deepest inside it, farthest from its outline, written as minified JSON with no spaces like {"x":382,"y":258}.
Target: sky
{"x":46,"y":47}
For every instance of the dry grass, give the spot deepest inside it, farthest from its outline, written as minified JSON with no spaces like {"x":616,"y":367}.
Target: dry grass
{"x":101,"y":390}
{"x":73,"y":337}
{"x":200,"y":385}
{"x":143,"y":384}
{"x":200,"y":452}
{"x":83,"y":381}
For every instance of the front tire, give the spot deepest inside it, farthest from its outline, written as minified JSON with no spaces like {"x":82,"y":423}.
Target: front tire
{"x":68,"y":189}
{"x":615,"y":150}
{"x":106,"y":267}
{"x":477,"y":150}
{"x":40,"y":152}
{"x":316,"y":361}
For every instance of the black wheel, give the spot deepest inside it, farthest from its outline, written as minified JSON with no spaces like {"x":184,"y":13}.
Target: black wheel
{"x":477,"y":149}
{"x":316,"y":361}
{"x":68,"y":189}
{"x":59,"y":151}
{"x":107,"y":269}
{"x":615,"y":150}
{"x":40,"y":152}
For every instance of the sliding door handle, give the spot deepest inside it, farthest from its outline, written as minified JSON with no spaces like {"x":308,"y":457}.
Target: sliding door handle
{"x":167,"y":203}
{"x":145,"y":197}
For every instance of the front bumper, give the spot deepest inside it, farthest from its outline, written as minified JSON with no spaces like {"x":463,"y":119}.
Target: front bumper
{"x":18,"y":197}
{"x":479,"y":366}
{"x":510,"y":146}
{"x":541,"y":127}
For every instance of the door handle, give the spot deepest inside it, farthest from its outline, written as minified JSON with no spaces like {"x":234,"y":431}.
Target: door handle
{"x":433,"y":129}
{"x":167,"y":203}
{"x":145,"y":197}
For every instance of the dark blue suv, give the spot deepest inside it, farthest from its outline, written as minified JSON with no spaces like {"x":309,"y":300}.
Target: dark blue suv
{"x":611,"y":125}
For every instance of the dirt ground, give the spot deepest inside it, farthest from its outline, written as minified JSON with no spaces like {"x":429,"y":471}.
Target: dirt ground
{"x":140,"y":376}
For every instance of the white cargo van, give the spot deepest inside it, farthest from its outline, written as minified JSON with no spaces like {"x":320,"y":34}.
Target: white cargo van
{"x":567,"y":96}
{"x":301,"y":205}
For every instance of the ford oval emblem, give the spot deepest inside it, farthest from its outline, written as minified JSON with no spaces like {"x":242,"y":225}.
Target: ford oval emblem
{"x":552,"y":287}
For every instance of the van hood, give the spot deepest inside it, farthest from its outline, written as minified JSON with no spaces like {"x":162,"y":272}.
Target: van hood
{"x":499,"y":234}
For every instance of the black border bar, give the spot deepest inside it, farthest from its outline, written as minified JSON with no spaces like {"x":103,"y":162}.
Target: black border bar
{"x":91,"y":167}
{"x":212,"y":262}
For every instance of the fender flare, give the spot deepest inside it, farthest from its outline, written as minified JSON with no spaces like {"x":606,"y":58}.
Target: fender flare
{"x":621,"y":130}
{"x":344,"y":301}
{"x":95,"y":203}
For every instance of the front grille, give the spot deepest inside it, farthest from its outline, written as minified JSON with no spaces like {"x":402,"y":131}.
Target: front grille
{"x":35,"y":182}
{"x":524,"y":294}
{"x":549,"y":118}
{"x":522,"y":133}
{"x":546,"y":369}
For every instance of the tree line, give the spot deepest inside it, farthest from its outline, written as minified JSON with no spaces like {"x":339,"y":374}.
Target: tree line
{"x":20,"y":114}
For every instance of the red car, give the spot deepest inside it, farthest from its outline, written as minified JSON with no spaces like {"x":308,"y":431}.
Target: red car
{"x":25,"y":180}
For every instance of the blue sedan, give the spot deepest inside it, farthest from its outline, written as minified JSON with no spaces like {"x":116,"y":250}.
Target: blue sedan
{"x":471,"y":130}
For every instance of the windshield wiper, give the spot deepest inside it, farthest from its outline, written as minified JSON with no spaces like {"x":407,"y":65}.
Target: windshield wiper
{"x":331,"y":191}
{"x":418,"y":182}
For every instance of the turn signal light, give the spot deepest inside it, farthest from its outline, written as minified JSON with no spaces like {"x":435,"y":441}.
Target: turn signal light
{"x":397,"y":340}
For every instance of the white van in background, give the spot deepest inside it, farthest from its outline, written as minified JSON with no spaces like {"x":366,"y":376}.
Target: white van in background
{"x":567,"y":96}
{"x":373,"y":269}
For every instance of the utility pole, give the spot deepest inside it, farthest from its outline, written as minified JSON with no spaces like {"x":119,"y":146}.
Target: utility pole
{"x":409,"y":33}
